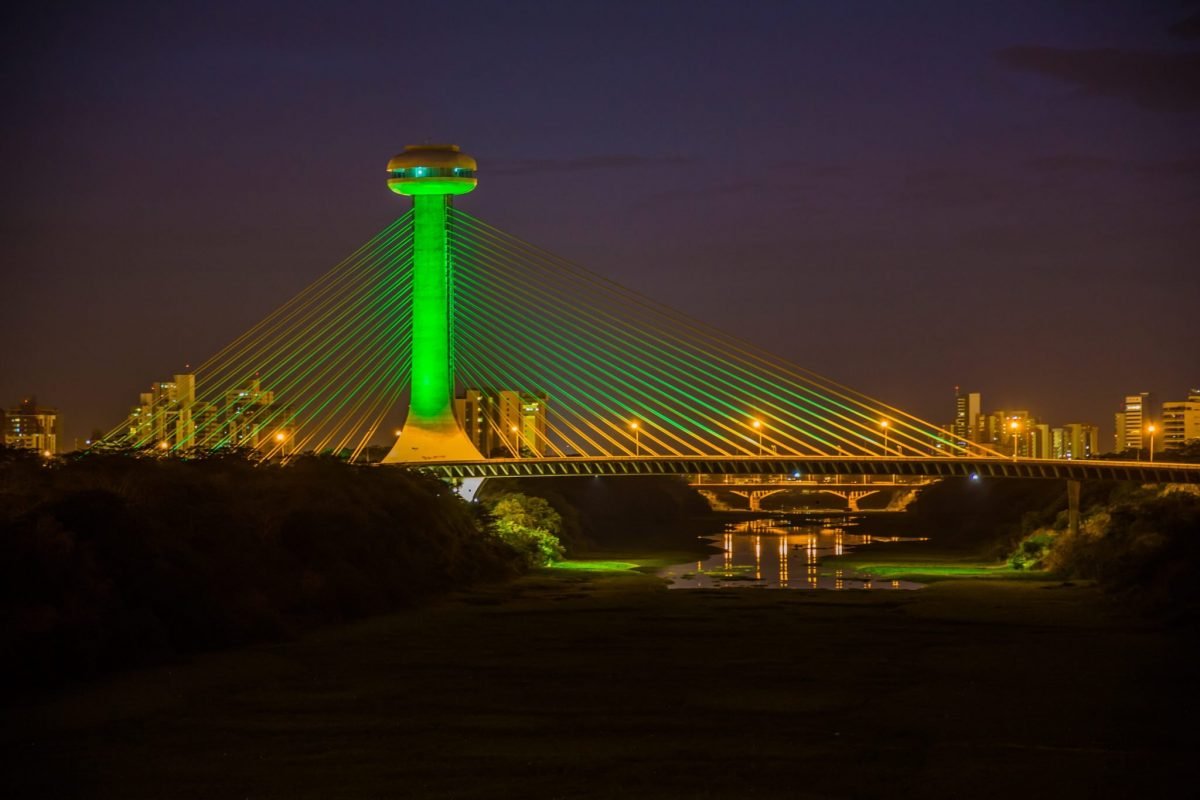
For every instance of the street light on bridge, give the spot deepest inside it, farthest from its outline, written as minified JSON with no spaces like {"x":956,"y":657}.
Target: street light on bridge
{"x":758,"y":426}
{"x":637,"y":445}
{"x":1151,"y":429}
{"x":883,"y":423}
{"x":516,"y":448}
{"x":1014,"y":426}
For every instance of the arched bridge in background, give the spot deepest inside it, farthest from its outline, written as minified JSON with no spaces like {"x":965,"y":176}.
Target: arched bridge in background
{"x":472,"y":473}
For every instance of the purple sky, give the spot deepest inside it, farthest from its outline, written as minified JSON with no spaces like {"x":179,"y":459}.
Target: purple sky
{"x":901,"y":196}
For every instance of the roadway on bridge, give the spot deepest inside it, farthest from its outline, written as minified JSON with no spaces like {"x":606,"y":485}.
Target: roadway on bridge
{"x":1136,"y":471}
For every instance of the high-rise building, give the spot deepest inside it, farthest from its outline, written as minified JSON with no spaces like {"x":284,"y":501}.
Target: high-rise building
{"x":1181,"y":421}
{"x":966,"y":416}
{"x":533,"y":422}
{"x":503,"y":422}
{"x":1058,"y":443}
{"x":1075,"y":440}
{"x":1006,"y":430}
{"x":28,"y":426}
{"x":166,"y":415}
{"x":252,"y":418}
{"x":1038,"y":438}
{"x":1131,"y":422}
{"x":169,"y":417}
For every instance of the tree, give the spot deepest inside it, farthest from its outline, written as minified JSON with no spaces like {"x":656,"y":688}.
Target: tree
{"x":529,"y":525}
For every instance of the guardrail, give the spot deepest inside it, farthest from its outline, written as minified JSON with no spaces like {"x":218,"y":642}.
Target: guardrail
{"x":1135,"y":471}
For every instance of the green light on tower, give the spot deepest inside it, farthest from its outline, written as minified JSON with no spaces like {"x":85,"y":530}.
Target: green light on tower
{"x":431,"y":175}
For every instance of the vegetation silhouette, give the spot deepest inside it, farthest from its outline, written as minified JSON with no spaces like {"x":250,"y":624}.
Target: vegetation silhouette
{"x":529,"y":525}
{"x":1139,"y":543}
{"x":627,"y":512}
{"x":109,"y":560}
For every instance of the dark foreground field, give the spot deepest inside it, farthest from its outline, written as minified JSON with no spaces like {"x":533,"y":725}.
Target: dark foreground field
{"x":583,"y":684}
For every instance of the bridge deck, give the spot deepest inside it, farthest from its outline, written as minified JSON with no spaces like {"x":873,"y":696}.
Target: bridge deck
{"x":1138,"y":471}
{"x":832,"y":483}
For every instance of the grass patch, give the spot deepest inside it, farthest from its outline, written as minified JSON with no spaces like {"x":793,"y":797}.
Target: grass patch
{"x":931,"y":573}
{"x":928,"y":567}
{"x":594,"y":565}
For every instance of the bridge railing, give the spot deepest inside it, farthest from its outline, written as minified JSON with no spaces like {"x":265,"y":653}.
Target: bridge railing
{"x":936,"y":467}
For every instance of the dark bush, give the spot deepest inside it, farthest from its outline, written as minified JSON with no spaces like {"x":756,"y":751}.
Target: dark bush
{"x":1145,"y":547}
{"x":114,"y":560}
{"x":620,"y":512}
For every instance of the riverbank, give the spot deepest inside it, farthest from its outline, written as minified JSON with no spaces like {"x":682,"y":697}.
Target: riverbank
{"x":928,"y":562}
{"x":590,"y":683}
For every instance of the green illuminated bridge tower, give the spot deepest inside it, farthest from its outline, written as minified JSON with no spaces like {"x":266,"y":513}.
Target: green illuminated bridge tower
{"x":431,"y":175}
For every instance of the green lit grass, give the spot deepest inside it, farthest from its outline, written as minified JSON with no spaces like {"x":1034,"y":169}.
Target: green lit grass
{"x":931,"y":571}
{"x":598,"y":565}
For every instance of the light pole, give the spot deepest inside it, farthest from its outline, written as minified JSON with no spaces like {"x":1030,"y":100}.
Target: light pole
{"x":758,"y":426}
{"x":1150,"y":429}
{"x":883,"y":423}
{"x":516,"y":448}
{"x":637,"y":445}
{"x":1014,"y":426}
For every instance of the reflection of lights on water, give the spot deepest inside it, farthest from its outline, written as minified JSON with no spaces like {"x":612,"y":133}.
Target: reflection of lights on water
{"x":783,"y":560}
{"x":817,"y":543}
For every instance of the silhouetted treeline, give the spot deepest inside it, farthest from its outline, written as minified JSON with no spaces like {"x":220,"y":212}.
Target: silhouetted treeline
{"x":641,"y":511}
{"x":110,"y":560}
{"x":984,"y":516}
{"x":1140,"y":543}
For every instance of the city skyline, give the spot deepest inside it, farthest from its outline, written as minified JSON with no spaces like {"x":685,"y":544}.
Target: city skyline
{"x":1023,"y":228}
{"x":1175,"y":419}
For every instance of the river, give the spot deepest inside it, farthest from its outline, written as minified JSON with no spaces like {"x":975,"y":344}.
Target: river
{"x":781,"y":554}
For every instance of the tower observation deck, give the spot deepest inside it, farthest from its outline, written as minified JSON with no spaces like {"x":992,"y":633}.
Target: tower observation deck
{"x":431,"y":175}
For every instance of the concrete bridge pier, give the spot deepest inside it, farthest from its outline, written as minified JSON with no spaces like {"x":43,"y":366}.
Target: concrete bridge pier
{"x":1073,"y":487}
{"x":467,"y":488}
{"x":756,"y":496}
{"x":851,"y":497}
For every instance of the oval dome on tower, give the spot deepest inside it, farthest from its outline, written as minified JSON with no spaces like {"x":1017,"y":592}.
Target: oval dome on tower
{"x":431,"y":169}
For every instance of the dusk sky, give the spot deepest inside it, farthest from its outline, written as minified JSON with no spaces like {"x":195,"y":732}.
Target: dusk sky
{"x":903,"y":197}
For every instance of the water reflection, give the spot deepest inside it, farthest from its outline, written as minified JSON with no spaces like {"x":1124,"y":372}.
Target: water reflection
{"x":745,"y":564}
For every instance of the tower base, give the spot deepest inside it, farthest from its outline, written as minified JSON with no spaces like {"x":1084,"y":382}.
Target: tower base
{"x":421,"y":443}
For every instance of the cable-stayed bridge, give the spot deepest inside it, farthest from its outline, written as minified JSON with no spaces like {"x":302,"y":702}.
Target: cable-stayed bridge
{"x":439,"y":302}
